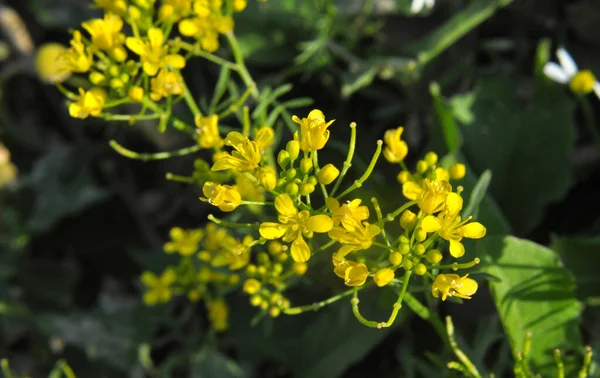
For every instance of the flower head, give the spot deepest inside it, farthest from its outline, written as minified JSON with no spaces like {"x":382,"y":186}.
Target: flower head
{"x":247,"y":154}
{"x":396,"y":149}
{"x":78,"y":58}
{"x":313,"y":131}
{"x":350,"y":215}
{"x":225,"y":197}
{"x":50,"y":65}
{"x":89,"y":103}
{"x":452,"y":285}
{"x":218,"y":314}
{"x":353,"y":273}
{"x":431,"y":195}
{"x":208,"y":131}
{"x":106,"y":35}
{"x":184,"y":242}
{"x":450,"y":227}
{"x":580,"y":81}
{"x":159,"y":287}
{"x":166,"y":83}
{"x":358,"y":238}
{"x":294,"y":226}
{"x":154,"y":53}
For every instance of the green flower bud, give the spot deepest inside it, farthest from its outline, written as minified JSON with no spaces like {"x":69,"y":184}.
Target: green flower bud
{"x":283,"y":159}
{"x":306,"y":165}
{"x":420,"y":269}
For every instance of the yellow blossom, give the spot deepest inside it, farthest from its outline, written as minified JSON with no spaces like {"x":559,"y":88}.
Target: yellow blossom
{"x":78,"y":58}
{"x":396,"y":149}
{"x":430,"y":196}
{"x":349,"y":215}
{"x":251,"y":286}
{"x":452,"y":285}
{"x":355,"y":274}
{"x":383,"y":276}
{"x":218,"y":313}
{"x":248,"y":189}
{"x":208,"y":131}
{"x":154,"y":53}
{"x":222,"y":249}
{"x":583,"y":82}
{"x":225,"y":197}
{"x":457,"y":171}
{"x":360,"y":237}
{"x":113,"y":6}
{"x":89,"y":103}
{"x":174,"y":9}
{"x":294,"y":226}
{"x":106,"y":35}
{"x":136,"y":94}
{"x":164,"y":84}
{"x":247,"y":154}
{"x":450,"y":227}
{"x":50,"y":65}
{"x":159,"y":288}
{"x":185,"y":242}
{"x":313,"y":131}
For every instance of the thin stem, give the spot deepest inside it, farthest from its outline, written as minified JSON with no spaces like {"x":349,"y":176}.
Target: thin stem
{"x":391,"y":216}
{"x":237,"y":104}
{"x":259,"y":203}
{"x":189,"y":100}
{"x":315,"y":158}
{"x":241,"y":65}
{"x":457,"y":351}
{"x":318,"y":305}
{"x":228,"y":224}
{"x":381,"y":221}
{"x":358,"y":183}
{"x":208,"y":56}
{"x":152,"y":156}
{"x":129,"y":117}
{"x":184,"y":179}
{"x":324,"y":247}
{"x":5,"y":368}
{"x":560,"y":366}
{"x":348,"y":161}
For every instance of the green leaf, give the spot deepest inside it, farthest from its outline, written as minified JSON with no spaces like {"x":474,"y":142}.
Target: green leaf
{"x":535,"y":294}
{"x":210,"y":363}
{"x":477,"y":195}
{"x":353,"y":82}
{"x":524,"y":145}
{"x":581,"y":256}
{"x":446,"y":119}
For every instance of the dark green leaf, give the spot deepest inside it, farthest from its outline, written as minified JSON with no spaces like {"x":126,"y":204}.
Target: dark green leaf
{"x":210,"y":363}
{"x":581,"y":257}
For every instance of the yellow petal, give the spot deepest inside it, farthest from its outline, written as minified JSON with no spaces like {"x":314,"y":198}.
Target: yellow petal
{"x":300,"y":250}
{"x":430,"y":224}
{"x":175,"y":61}
{"x":316,"y":114}
{"x":456,"y":249}
{"x":474,"y":230}
{"x":149,"y":279}
{"x":264,"y":137}
{"x":136,"y":45}
{"x":285,"y":205}
{"x":150,"y":298}
{"x":271,"y":230}
{"x":411,"y":190}
{"x":150,"y":69}
{"x":467,"y":286}
{"x":156,"y":37}
{"x":454,"y":203}
{"x":168,"y":277}
{"x":332,"y":203}
{"x":356,"y":275}
{"x":320,"y":223}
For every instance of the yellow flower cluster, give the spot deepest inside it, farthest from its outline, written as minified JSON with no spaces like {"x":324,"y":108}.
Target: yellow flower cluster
{"x":134,"y":53}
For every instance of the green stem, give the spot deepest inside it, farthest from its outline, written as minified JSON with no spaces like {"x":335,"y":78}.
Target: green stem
{"x":324,"y":247}
{"x":380,"y":220}
{"x":208,"y":56}
{"x":458,"y":352}
{"x":259,"y":203}
{"x":5,"y":368}
{"x":189,"y":100}
{"x":391,"y":216}
{"x":318,"y":305}
{"x":315,"y":159}
{"x":152,"y":156}
{"x":423,"y":312}
{"x":358,"y":183}
{"x":560,"y":366}
{"x":348,"y":161}
{"x":228,"y":224}
{"x":129,"y":117}
{"x":236,"y":105}
{"x":241,"y":65}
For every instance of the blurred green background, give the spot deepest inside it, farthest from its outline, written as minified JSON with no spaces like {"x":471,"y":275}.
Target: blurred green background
{"x":81,"y":222}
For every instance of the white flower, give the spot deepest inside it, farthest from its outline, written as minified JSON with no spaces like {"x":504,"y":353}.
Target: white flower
{"x":418,"y":5}
{"x":580,"y":82}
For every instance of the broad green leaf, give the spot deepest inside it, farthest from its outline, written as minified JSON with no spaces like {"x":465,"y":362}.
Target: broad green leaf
{"x":581,"y":256}
{"x":446,"y":119}
{"x":525,"y":145}
{"x":535,"y":294}
{"x":210,"y":363}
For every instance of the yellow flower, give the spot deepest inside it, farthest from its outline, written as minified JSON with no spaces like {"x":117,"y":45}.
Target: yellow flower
{"x":113,"y":6}
{"x":175,"y":9}
{"x":313,"y":131}
{"x":248,"y":189}
{"x":293,"y":226}
{"x":185,"y":242}
{"x":350,"y":215}
{"x":50,"y":65}
{"x":8,"y":171}
{"x":154,"y":53}
{"x":396,"y":149}
{"x":207,"y":24}
{"x":450,"y":226}
{"x":430,"y":196}
{"x":208,"y":131}
{"x":218,"y":314}
{"x":106,"y":35}
{"x":164,"y":84}
{"x":457,"y":171}
{"x":353,"y":273}
{"x":583,"y":82}
{"x":239,"y":5}
{"x":222,"y":249}
{"x":452,"y":285}
{"x":383,"y":276}
{"x":89,"y":103}
{"x":247,"y":154}
{"x":251,"y":286}
{"x":159,"y":288}
{"x":225,"y":197}
{"x":358,"y":238}
{"x":78,"y":58}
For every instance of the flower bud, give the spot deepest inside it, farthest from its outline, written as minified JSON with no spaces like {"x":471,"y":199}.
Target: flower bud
{"x":403,"y":177}
{"x":283,"y":159}
{"x":422,"y":166}
{"x":328,"y":174}
{"x":251,"y":286}
{"x":136,"y":94}
{"x":251,"y":270}
{"x":274,"y":312}
{"x":267,"y":178}
{"x":291,"y":173}
{"x":312,"y":180}
{"x":119,"y":54}
{"x":263,"y":259}
{"x":408,"y":220}
{"x":407,"y":265}
{"x":291,"y":189}
{"x":457,"y":171}
{"x":420,"y":269}
{"x":277,"y":269}
{"x":306,"y":165}
{"x":383,"y":276}
{"x":395,"y":258}
{"x":404,"y":248}
{"x":256,"y":300}
{"x":419,"y":249}
{"x":306,"y":189}
{"x":96,"y":78}
{"x":434,"y":256}
{"x":299,"y":268}
{"x":293,"y":148}
{"x":420,"y":234}
{"x":275,"y":248}
{"x":431,"y":158}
